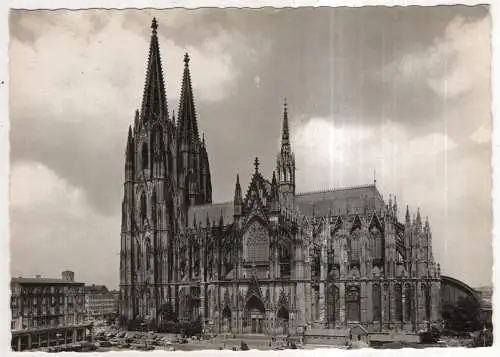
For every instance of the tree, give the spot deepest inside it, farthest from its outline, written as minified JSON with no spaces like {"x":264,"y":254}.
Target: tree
{"x":464,"y":316}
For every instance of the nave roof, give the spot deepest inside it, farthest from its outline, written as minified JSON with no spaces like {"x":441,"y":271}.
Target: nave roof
{"x":338,"y":201}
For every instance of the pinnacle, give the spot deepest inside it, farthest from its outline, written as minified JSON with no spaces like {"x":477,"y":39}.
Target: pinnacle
{"x":154,"y":25}
{"x":256,"y":164}
{"x":130,"y":131}
{"x":285,"y":135}
{"x":186,"y":59}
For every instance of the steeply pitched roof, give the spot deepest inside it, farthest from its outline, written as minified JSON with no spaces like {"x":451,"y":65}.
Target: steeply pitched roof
{"x":337,"y":201}
{"x":320,"y":203}
{"x":213,"y":211}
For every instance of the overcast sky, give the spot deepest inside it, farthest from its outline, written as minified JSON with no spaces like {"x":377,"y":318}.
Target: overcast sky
{"x":403,"y":92}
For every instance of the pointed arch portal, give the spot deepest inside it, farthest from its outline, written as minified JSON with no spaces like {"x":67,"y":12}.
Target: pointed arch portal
{"x":254,"y":315}
{"x":283,"y":319}
{"x":226,"y":320}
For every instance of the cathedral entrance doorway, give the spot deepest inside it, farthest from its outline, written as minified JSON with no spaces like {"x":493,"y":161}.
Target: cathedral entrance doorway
{"x":283,"y":318}
{"x":254,"y":316}
{"x":226,"y":320}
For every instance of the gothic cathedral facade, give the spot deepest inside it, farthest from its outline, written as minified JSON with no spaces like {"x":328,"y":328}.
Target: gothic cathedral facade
{"x":272,"y":261}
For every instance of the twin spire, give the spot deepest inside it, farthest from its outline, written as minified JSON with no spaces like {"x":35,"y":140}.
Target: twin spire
{"x":188,"y":126}
{"x":154,"y":101}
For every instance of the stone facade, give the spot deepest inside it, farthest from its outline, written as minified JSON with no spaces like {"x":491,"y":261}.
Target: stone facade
{"x":45,"y":303}
{"x":100,"y":303}
{"x":272,"y":261}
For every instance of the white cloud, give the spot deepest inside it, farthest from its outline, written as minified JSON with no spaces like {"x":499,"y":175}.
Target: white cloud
{"x":350,"y":155}
{"x":426,"y":172}
{"x":33,"y":185}
{"x":52,"y":223}
{"x":457,"y":67}
{"x":455,"y":64}
{"x":104,"y":72}
{"x":482,"y":135}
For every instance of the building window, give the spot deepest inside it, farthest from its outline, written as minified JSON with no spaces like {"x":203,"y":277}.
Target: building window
{"x":257,"y":243}
{"x":144,"y":208}
{"x":398,"y":300}
{"x":332,"y":305}
{"x":377,"y":246}
{"x":377,"y":302}
{"x":148,"y":254}
{"x":330,"y":260}
{"x":352,"y":302}
{"x":409,"y":309}
{"x":145,"y":156}
{"x":316,"y":303}
{"x":355,"y":247}
{"x":137,"y":255}
{"x":284,"y":257}
{"x":154,"y":214}
{"x":316,"y":262}
{"x":427,"y":302}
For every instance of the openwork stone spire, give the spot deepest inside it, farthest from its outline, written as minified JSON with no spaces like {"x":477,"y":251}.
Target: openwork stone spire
{"x":154,"y":100}
{"x":285,"y":132}
{"x":187,"y":124}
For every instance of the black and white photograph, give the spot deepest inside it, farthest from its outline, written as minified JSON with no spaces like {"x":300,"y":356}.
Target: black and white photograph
{"x":250,"y":179}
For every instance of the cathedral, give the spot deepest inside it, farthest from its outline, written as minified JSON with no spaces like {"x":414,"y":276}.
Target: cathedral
{"x":272,"y":261}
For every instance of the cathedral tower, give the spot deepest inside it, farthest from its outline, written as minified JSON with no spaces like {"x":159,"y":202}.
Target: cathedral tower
{"x":148,"y":222}
{"x":193,"y":170}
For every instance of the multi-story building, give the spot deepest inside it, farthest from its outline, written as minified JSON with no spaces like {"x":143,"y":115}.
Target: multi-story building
{"x":271,"y":261}
{"x":100,"y":303}
{"x":47,"y":312}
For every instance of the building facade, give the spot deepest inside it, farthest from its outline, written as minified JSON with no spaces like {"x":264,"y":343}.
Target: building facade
{"x":100,"y":303}
{"x":272,"y":261}
{"x":46,"y":312}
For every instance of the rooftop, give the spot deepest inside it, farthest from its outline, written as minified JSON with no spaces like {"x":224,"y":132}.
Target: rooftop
{"x":43,"y":281}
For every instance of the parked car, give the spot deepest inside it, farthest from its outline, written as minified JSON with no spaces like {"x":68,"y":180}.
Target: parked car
{"x":432,"y":335}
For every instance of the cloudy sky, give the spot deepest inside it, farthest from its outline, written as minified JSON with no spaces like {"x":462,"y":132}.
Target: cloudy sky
{"x":403,"y":92}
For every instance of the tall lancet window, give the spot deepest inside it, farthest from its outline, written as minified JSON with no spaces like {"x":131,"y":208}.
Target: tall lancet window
{"x":144,"y":208}
{"x":316,"y":262}
{"x":377,"y":302}
{"x":427,"y":302}
{"x":409,"y":308}
{"x":144,"y":156}
{"x":154,"y":213}
{"x":377,"y":247}
{"x":158,"y":143}
{"x":398,"y":300}
{"x":355,"y":247}
{"x":353,"y":303}
{"x":149,"y":254}
{"x":137,"y":255}
{"x":284,"y":256}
